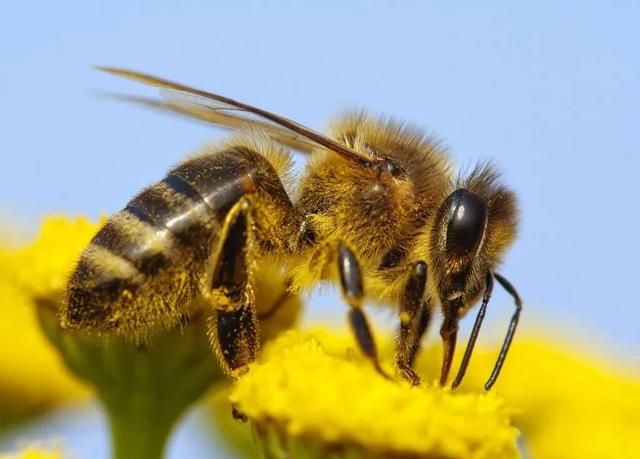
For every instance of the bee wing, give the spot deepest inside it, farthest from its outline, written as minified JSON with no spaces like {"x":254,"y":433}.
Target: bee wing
{"x":222,"y":118}
{"x":230,"y":113}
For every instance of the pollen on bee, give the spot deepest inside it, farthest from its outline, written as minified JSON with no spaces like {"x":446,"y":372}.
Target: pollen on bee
{"x":221,"y":299}
{"x":405,"y":318}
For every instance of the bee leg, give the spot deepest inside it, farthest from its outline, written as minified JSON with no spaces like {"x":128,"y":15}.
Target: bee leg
{"x":353,"y":292}
{"x":423,"y":325}
{"x":510,"y":332}
{"x":486,"y":296}
{"x":449,"y":333}
{"x":410,"y":321}
{"x":233,"y":327}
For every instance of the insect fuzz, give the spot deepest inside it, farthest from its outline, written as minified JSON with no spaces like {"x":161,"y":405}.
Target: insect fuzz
{"x":376,"y":212}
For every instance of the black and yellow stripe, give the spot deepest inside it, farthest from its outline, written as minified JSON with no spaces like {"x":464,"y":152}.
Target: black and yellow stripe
{"x":155,"y":250}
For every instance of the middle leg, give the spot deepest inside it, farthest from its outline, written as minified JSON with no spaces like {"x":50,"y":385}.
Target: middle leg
{"x":353,"y":293}
{"x":412,"y":322}
{"x":425,"y":319}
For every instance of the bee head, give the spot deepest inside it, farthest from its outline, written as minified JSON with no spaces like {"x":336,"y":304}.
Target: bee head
{"x":472,"y":229}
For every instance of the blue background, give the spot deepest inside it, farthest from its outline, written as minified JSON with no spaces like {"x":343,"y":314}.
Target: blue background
{"x":549,"y":91}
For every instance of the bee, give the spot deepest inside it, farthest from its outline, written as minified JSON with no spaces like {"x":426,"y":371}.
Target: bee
{"x":377,"y":211}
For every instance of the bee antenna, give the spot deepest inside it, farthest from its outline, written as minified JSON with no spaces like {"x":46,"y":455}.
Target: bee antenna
{"x":510,"y":332}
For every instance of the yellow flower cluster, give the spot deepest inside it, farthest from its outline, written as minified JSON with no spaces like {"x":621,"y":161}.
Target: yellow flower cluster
{"x":33,"y":453}
{"x":32,"y":376}
{"x":135,"y":382}
{"x":316,"y":391}
{"x":42,"y":267}
{"x":568,"y":404}
{"x":306,"y":391}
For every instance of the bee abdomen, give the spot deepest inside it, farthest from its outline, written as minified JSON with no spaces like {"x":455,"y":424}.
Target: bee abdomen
{"x":101,"y":280}
{"x":178,"y":215}
{"x":92,"y":304}
{"x":133,"y":271}
{"x":194,"y":197}
{"x":220,"y":179}
{"x":149,"y":259}
{"x":135,"y":242}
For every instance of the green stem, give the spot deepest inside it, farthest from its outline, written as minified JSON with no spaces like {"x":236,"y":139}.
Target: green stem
{"x":144,"y":388}
{"x":140,"y":426}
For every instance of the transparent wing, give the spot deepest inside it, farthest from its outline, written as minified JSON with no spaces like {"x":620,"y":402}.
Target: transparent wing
{"x":223,"y":119}
{"x":229,"y":113}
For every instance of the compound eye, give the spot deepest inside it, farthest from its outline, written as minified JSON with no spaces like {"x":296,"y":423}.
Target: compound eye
{"x":467,"y":221}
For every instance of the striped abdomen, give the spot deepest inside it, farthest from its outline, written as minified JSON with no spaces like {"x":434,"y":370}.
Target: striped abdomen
{"x":149,"y":259}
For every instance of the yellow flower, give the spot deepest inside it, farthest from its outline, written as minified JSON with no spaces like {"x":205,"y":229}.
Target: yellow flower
{"x":32,"y":376}
{"x":569,"y":404}
{"x":326,"y":401}
{"x":314,"y":390}
{"x":33,"y":453}
{"x":144,"y":386}
{"x":42,"y":267}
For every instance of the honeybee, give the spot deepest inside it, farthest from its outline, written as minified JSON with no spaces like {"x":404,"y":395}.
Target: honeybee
{"x":378,"y":211}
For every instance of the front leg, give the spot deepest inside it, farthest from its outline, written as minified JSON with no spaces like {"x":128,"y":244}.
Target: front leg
{"x":474,"y":332}
{"x":449,"y":334}
{"x":353,"y":293}
{"x":412,"y":322}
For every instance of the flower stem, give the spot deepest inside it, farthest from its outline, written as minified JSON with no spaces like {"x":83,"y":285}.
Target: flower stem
{"x":144,"y":387}
{"x":140,"y":427}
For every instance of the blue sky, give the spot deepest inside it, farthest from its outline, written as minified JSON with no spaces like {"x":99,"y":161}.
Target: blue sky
{"x":550,"y":91}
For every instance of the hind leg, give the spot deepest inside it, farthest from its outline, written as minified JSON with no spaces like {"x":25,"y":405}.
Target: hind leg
{"x":233,"y":327}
